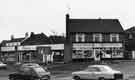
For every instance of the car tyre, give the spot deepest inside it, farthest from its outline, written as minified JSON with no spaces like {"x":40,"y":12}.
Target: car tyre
{"x":11,"y":79}
{"x":101,"y":78}
{"x":76,"y":78}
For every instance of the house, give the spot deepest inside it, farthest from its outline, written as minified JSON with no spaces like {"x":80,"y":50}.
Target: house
{"x":86,"y":39}
{"x":9,"y":49}
{"x":130,"y":42}
{"x":130,"y":33}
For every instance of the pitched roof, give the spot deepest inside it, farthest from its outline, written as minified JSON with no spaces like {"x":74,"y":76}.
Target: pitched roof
{"x":36,"y":39}
{"x":57,"y":39}
{"x":130,"y":30}
{"x":95,"y":25}
{"x":12,"y":40}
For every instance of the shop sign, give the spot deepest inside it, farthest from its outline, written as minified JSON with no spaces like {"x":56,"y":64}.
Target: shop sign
{"x":83,"y":46}
{"x":57,"y":47}
{"x":87,"y":46}
{"x":11,"y":59}
{"x":7,"y":48}
{"x":26,"y":48}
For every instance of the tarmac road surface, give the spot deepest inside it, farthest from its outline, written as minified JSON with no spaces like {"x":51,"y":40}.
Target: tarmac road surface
{"x":53,"y":78}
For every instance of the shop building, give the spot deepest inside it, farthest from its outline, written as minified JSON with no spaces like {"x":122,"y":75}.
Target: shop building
{"x":57,"y":44}
{"x":8,"y":48}
{"x":33,"y":48}
{"x":40,"y":48}
{"x":94,"y":39}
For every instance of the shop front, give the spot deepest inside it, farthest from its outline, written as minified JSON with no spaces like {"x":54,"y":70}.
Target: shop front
{"x":8,"y":54}
{"x":38,"y":54}
{"x":57,"y":52}
{"x":97,"y":51}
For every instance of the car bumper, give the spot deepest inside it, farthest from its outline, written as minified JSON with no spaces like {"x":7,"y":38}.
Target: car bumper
{"x":118,"y":76}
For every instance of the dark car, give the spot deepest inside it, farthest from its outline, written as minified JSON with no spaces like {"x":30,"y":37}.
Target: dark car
{"x":30,"y":72}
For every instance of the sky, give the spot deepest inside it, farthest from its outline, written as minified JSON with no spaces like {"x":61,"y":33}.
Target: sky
{"x":20,"y":16}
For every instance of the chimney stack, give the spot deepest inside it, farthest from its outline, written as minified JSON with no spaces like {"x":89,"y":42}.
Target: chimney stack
{"x":32,"y":33}
{"x":67,"y":26}
{"x":26,"y":35}
{"x":12,"y":37}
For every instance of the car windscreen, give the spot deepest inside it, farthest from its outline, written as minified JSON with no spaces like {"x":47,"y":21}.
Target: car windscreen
{"x":92,"y":69}
{"x":39,"y":70}
{"x":105,"y":69}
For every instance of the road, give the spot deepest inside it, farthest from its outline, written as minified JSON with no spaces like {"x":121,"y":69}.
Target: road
{"x":53,"y":78}
{"x":127,"y":68}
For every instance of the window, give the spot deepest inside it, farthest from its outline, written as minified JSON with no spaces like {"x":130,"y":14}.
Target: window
{"x":114,"y":37}
{"x":130,"y":36}
{"x":93,"y":69}
{"x":80,"y":37}
{"x":97,"y":37}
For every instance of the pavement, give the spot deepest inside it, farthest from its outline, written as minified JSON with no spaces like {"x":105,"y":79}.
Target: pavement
{"x":63,"y":71}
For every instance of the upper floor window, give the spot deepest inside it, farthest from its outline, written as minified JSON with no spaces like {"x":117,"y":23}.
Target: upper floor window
{"x":13,"y":44}
{"x":97,"y":37}
{"x":114,"y":37}
{"x":80,"y":37}
{"x":130,"y":36}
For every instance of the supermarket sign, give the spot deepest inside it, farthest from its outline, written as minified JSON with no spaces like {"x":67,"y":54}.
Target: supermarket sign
{"x":26,"y":48}
{"x":83,"y":46}
{"x":7,"y":48}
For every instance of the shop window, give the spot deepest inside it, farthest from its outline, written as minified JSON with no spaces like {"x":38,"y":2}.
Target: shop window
{"x":80,"y":37}
{"x":97,"y":37}
{"x":88,"y":53}
{"x":114,"y":37}
{"x":77,"y":54}
{"x":117,"y":53}
{"x":106,"y":53}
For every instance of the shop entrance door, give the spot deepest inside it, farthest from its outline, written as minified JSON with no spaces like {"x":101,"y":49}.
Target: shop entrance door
{"x":97,"y":54}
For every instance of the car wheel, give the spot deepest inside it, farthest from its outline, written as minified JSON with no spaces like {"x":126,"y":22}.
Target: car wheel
{"x":101,"y":78}
{"x":76,"y":78}
{"x":11,"y":79}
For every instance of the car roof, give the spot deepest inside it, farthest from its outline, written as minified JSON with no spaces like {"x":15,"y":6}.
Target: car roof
{"x":98,"y":66}
{"x":30,"y":65}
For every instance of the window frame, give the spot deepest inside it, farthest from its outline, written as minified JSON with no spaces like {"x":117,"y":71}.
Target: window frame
{"x":114,"y":36}
{"x":80,"y":35}
{"x":99,"y":35}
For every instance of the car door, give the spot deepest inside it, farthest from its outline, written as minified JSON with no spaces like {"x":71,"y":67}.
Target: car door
{"x":93,"y":73}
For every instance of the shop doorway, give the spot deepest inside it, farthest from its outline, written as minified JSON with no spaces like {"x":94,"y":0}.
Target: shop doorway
{"x":97,"y":55}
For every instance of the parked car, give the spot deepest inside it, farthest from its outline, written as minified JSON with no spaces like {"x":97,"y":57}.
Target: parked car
{"x":30,"y":71}
{"x":98,"y":72}
{"x":2,"y":65}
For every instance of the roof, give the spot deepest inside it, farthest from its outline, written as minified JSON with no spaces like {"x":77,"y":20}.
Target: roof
{"x":12,"y":40}
{"x":36,"y":39}
{"x":130,"y":30}
{"x":98,"y":66}
{"x":95,"y":25}
{"x":57,"y":39}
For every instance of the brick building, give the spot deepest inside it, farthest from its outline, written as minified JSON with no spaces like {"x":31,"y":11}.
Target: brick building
{"x":88,"y":38}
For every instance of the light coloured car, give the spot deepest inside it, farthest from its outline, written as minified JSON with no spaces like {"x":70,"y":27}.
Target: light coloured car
{"x":98,"y":72}
{"x":2,"y":65}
